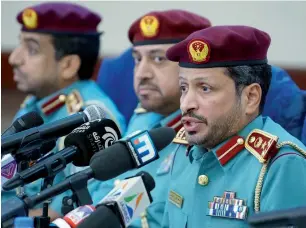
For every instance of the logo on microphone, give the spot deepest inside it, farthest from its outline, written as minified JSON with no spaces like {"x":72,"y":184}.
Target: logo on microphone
{"x":144,"y":148}
{"x":8,"y":170}
{"x":110,"y":137}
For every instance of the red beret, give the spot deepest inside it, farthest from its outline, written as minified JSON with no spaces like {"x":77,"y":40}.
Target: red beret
{"x":59,"y":17}
{"x":221,"y":46}
{"x":163,"y":27}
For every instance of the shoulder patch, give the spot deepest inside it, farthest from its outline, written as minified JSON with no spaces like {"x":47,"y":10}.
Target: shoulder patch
{"x":74,"y":102}
{"x":261,"y":144}
{"x":180,"y":137}
{"x":140,"y":109}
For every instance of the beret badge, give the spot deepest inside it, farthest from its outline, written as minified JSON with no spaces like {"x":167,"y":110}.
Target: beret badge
{"x":198,"y":51}
{"x":149,"y":26}
{"x":29,"y":18}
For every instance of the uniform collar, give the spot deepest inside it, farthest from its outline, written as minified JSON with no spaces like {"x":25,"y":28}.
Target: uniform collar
{"x":173,"y":120}
{"x":197,"y":152}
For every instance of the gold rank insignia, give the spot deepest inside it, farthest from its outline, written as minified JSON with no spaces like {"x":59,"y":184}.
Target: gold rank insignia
{"x":30,"y":19}
{"x":261,"y":144}
{"x":140,"y":109}
{"x":176,"y":199}
{"x":228,"y":207}
{"x":53,"y":104}
{"x":149,"y":26}
{"x":180,"y":137}
{"x":198,"y":51}
{"x":74,"y":102}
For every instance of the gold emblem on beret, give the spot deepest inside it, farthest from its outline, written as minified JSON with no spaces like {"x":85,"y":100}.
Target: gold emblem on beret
{"x":149,"y":26}
{"x":29,"y":18}
{"x":198,"y":51}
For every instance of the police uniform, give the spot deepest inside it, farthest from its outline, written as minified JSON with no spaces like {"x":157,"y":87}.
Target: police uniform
{"x":159,"y":27}
{"x":261,"y":168}
{"x":67,"y":18}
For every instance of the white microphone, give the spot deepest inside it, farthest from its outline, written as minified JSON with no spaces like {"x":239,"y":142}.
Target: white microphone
{"x":127,"y":201}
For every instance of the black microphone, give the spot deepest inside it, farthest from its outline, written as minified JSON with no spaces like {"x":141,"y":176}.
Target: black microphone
{"x":81,"y":144}
{"x":114,"y":160}
{"x":51,"y":130}
{"x":114,"y":203}
{"x":24,"y":122}
{"x":133,"y":151}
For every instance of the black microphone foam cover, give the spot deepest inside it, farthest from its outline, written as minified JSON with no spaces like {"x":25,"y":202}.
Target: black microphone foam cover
{"x":92,"y":137}
{"x":27,"y":121}
{"x":117,"y":159}
{"x":147,"y":180}
{"x":162,"y":137}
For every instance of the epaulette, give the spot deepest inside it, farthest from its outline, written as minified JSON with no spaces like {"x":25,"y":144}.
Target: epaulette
{"x":180,"y":137}
{"x":53,"y":104}
{"x":140,"y":109}
{"x":264,"y":147}
{"x":74,"y":102}
{"x":261,"y":144}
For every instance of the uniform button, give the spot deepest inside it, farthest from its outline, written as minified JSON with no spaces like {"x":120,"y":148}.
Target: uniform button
{"x":203,"y":180}
{"x":116,"y":182}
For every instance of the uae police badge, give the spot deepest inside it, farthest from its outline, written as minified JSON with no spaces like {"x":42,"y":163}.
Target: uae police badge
{"x":198,"y":51}
{"x":149,"y":26}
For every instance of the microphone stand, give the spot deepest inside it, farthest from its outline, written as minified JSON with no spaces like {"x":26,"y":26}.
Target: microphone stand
{"x":44,"y":220}
{"x":80,"y":194}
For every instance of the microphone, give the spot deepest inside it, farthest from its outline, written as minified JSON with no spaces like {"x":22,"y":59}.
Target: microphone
{"x":75,"y":217}
{"x":8,"y":163}
{"x":117,"y":159}
{"x":24,"y":122}
{"x":133,"y":151}
{"x":80,"y":144}
{"x":126,"y":201}
{"x":51,"y":130}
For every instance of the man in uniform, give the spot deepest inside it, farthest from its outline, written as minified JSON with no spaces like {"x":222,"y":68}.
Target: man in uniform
{"x":58,"y":50}
{"x":230,"y":162}
{"x":156,"y":86}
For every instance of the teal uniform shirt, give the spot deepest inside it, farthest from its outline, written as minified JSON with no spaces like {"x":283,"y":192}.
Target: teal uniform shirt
{"x":63,"y":103}
{"x":216,"y":188}
{"x":159,"y":170}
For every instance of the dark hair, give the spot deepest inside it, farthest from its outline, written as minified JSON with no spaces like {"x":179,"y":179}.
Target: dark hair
{"x":86,"y":47}
{"x":246,"y":75}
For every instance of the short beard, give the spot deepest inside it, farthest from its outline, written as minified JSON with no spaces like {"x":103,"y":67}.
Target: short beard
{"x":220,"y":129}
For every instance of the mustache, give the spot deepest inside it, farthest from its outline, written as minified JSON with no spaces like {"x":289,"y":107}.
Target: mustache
{"x":148,"y":84}
{"x":193,"y":115}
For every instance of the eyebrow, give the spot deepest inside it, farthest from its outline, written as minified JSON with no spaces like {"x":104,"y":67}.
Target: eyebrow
{"x":151,"y":52}
{"x":195,"y":79}
{"x":31,"y":40}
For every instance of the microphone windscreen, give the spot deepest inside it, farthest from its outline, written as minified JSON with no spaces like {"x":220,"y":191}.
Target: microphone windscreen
{"x":92,"y":137}
{"x":117,"y":159}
